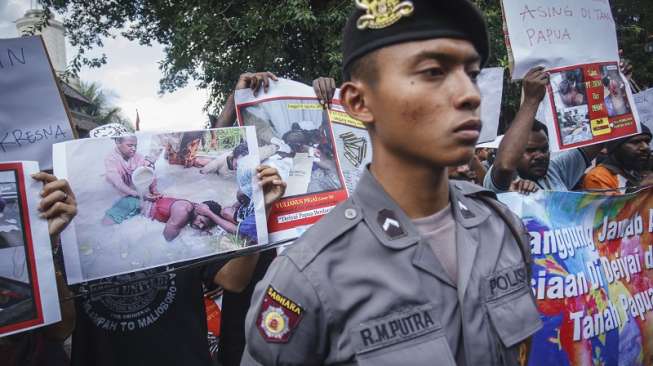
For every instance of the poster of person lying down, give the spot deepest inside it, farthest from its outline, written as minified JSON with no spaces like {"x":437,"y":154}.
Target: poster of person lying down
{"x":28,"y":289}
{"x":295,"y":136}
{"x":150,"y":200}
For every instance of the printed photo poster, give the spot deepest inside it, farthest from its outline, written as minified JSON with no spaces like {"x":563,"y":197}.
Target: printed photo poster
{"x":589,"y":104}
{"x":558,"y":33}
{"x":592,"y":276}
{"x":156,"y":199}
{"x":32,"y":111}
{"x":28,"y":288}
{"x":295,"y":136}
{"x":352,"y":143}
{"x":644,"y":105}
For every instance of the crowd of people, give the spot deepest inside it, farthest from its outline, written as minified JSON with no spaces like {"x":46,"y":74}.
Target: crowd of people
{"x":394,"y":274}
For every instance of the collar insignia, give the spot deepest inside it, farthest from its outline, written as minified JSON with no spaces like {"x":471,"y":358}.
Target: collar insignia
{"x":382,"y":13}
{"x":390,"y":225}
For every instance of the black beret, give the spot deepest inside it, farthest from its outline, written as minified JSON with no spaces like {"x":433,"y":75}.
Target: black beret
{"x":376,"y":24}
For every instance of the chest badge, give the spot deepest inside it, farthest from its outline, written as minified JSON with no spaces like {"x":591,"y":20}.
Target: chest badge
{"x":382,"y":13}
{"x":390,"y":225}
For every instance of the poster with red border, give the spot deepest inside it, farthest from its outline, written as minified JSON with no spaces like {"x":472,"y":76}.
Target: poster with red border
{"x":589,"y":104}
{"x":295,"y":136}
{"x":28,"y":289}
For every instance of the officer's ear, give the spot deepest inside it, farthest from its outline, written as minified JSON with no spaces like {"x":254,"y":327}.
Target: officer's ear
{"x":353,"y":96}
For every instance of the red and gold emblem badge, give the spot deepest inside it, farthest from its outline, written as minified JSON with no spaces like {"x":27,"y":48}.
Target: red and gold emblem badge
{"x":278,"y":317}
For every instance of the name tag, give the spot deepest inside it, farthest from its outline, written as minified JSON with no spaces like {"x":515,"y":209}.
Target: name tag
{"x":395,"y":328}
{"x":506,"y":281}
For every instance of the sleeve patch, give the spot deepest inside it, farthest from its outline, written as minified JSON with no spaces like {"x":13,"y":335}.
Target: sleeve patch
{"x":278,"y":317}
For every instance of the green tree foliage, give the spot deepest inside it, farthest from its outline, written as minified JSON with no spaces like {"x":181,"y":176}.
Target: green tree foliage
{"x":213,"y":41}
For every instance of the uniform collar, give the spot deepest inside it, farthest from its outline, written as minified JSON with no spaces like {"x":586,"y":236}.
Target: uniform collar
{"x":466,"y":211}
{"x":380,"y":210}
{"x":390,"y":224}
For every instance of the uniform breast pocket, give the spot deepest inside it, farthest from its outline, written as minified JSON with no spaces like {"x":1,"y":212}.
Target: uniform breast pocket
{"x":513,"y":314}
{"x":410,"y":337}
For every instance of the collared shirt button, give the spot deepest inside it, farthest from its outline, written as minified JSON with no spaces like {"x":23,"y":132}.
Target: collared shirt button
{"x":350,"y":213}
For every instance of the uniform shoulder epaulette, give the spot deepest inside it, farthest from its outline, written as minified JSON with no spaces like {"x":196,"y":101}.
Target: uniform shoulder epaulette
{"x":341,"y":219}
{"x":471,"y":189}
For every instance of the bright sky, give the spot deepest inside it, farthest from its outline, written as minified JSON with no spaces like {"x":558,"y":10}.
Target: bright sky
{"x":132,"y":73}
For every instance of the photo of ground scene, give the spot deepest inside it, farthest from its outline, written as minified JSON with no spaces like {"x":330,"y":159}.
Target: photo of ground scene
{"x":570,"y":98}
{"x":294,"y":137}
{"x":157,"y":199}
{"x":615,"y":99}
{"x":16,"y":296}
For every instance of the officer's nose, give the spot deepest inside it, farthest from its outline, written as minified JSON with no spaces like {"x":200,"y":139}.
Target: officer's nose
{"x":467,"y":96}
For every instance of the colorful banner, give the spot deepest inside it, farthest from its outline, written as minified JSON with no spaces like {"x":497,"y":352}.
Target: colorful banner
{"x":151,"y":200}
{"x":558,"y":33}
{"x":32,"y":111}
{"x":295,"y":136}
{"x":592,"y":276}
{"x":28,"y":288}
{"x":588,"y":104}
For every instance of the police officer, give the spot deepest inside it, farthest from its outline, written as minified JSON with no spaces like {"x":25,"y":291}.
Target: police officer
{"x":413,"y":269}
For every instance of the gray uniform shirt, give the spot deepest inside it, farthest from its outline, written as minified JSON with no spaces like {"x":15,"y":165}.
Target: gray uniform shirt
{"x":362,"y":287}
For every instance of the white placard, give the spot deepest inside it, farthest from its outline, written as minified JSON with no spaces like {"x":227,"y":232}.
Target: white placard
{"x":558,"y":33}
{"x":27,"y":277}
{"x":490,"y":82}
{"x":32,"y":113}
{"x":644,"y":103}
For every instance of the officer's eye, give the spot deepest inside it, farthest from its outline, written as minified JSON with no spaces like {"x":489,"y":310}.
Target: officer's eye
{"x":433,"y":72}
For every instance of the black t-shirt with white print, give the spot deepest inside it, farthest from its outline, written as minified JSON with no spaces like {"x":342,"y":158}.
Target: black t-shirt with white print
{"x":158,"y":319}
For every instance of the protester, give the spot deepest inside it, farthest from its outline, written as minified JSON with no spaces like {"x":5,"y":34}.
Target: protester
{"x":533,"y":161}
{"x":157,"y":317}
{"x":626,"y":167}
{"x":44,"y":346}
{"x":409,"y":249}
{"x":120,"y":165}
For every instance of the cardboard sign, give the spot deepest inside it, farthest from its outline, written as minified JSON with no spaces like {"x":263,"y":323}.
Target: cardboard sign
{"x":32,"y":111}
{"x":28,"y":288}
{"x":558,"y":33}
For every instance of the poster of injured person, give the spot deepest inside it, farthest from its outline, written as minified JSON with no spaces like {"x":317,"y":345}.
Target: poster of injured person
{"x":295,"y":136}
{"x":156,"y":199}
{"x":589,"y":104}
{"x":28,"y":289}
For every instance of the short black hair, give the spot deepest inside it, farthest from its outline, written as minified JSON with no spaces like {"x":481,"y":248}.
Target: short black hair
{"x":364,"y":68}
{"x":214,"y":207}
{"x":240,"y":150}
{"x":539,"y":126}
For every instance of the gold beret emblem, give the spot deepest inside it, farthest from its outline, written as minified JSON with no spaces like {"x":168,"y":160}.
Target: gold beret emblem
{"x":382,"y":13}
